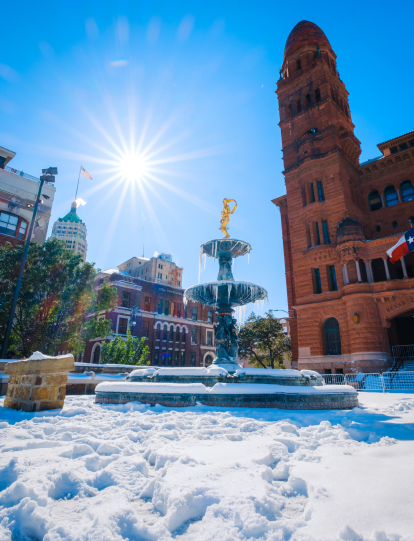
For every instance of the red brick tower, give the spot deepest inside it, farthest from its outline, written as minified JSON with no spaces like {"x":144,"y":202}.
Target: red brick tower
{"x":322,"y":211}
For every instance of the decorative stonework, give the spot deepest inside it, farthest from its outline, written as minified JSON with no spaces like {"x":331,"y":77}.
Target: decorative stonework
{"x":37,"y":385}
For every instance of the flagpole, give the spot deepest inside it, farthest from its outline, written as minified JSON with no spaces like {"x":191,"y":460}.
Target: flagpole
{"x":80,"y":169}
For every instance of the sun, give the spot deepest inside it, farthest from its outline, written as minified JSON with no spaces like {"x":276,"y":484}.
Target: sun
{"x":133,"y":166}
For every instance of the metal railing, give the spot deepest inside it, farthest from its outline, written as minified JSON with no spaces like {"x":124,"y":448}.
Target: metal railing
{"x":24,"y":175}
{"x":387,"y":381}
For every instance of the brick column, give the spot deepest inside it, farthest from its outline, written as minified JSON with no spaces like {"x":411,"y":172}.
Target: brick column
{"x":345,"y":274}
{"x":358,"y":270}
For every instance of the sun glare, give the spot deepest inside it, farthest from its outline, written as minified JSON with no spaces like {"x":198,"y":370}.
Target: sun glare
{"x":133,"y":166}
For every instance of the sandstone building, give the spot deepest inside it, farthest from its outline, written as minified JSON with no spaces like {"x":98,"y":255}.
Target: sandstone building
{"x":348,"y":305}
{"x":72,"y":231}
{"x":18,"y":192}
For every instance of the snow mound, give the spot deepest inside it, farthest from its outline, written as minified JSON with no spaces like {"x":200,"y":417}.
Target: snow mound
{"x":269,"y":372}
{"x":142,"y":373}
{"x":39,"y":356}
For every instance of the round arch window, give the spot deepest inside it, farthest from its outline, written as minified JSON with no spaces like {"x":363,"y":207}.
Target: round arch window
{"x":407,"y":191}
{"x":332,"y":337}
{"x":374,"y":200}
{"x":391,"y":197}
{"x":208,"y":360}
{"x":96,"y":355}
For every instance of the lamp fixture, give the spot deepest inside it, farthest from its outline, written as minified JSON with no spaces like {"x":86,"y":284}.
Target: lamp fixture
{"x":356,"y":318}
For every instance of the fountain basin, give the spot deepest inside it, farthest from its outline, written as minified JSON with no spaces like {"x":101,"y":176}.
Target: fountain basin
{"x":225,"y":247}
{"x":225,"y":293}
{"x":229,"y":395}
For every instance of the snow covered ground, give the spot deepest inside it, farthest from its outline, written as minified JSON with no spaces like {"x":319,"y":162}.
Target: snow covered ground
{"x":104,"y":473}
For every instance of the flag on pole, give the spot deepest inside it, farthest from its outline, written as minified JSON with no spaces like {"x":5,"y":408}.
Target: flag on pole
{"x":85,"y":173}
{"x":403,"y":246}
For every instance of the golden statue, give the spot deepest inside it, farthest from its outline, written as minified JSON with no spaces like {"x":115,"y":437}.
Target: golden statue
{"x":225,"y":215}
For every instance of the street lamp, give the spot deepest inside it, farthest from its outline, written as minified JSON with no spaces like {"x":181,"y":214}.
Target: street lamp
{"x":48,"y":176}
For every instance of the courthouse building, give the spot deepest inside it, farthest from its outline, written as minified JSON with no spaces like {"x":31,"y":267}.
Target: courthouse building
{"x":348,"y":305}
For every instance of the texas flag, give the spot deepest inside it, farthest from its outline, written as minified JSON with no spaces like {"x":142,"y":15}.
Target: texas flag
{"x":403,"y":246}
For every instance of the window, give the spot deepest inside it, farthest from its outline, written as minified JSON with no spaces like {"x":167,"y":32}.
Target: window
{"x":394,"y":224}
{"x":407,"y":190}
{"x":159,"y":266}
{"x":317,"y":95}
{"x":182,"y":358}
{"x":126,"y":299}
{"x":8,"y":225}
{"x":195,"y":313}
{"x":156,"y":357}
{"x":325,"y":231}
{"x":394,"y":150}
{"x":317,"y":236}
{"x":167,"y":308}
{"x":288,"y":111}
{"x":298,"y":65}
{"x":167,"y":358}
{"x":160,"y":276}
{"x":194,"y":336}
{"x":321,"y":196}
{"x":333,"y":286}
{"x":177,"y":334}
{"x":183,"y":335}
{"x":193,"y":358}
{"x":208,"y":360}
{"x":165,"y":333}
{"x":96,"y":355}
{"x":209,"y":337}
{"x":332,"y":337}
{"x":179,"y":309}
{"x":160,"y":306}
{"x":374,"y":201}
{"x":210,"y":316}
{"x":145,"y":329}
{"x":307,"y":100}
{"x":171,"y":333}
{"x":312,"y":193}
{"x":298,"y":106}
{"x":178,"y":283}
{"x":22,"y":230}
{"x":317,"y":286}
{"x":158,"y":332}
{"x":176,"y":355}
{"x":391,"y":197}
{"x":147,"y":304}
{"x":122,"y":325}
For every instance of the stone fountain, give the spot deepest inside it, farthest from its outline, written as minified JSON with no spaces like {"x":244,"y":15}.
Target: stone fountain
{"x":224,"y":294}
{"x":226,"y":383}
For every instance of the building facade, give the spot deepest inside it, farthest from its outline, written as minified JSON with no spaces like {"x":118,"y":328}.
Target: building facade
{"x":176,"y":334}
{"x":348,"y":305}
{"x":72,"y":231}
{"x":18,"y":192}
{"x":160,"y":269}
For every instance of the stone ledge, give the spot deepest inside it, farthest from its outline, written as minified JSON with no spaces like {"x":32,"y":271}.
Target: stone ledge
{"x":50,"y":365}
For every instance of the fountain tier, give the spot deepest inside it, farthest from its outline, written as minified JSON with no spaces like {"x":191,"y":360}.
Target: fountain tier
{"x":225,"y":293}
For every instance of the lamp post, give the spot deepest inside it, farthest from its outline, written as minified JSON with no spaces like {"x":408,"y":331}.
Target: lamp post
{"x":48,"y":174}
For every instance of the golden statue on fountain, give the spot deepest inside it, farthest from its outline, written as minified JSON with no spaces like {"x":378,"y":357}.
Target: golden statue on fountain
{"x":225,"y":215}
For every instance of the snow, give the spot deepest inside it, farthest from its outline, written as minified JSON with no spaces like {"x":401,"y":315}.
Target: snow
{"x":193,"y":371}
{"x":134,"y":472}
{"x":39,"y":356}
{"x":271,"y":372}
{"x":219,"y":388}
{"x":143,"y":373}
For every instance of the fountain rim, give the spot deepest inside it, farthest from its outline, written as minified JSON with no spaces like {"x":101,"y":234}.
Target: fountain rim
{"x":225,"y":283}
{"x":225,"y":253}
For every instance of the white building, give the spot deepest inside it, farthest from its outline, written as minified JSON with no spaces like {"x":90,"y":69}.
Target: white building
{"x":18,"y":192}
{"x":72,"y":231}
{"x":160,"y":269}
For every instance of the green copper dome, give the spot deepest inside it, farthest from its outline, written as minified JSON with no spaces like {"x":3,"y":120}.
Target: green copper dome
{"x":71,"y":216}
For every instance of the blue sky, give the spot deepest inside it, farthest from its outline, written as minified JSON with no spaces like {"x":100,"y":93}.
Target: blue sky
{"x":193,"y":83}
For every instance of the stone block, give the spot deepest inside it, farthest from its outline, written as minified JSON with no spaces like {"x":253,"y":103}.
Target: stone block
{"x":43,"y":393}
{"x":50,"y":405}
{"x":10,"y":403}
{"x":61,"y":393}
{"x":51,"y":365}
{"x":22,"y":392}
{"x":59,"y":379}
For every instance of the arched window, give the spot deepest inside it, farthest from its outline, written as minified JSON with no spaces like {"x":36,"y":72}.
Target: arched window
{"x":407,"y":190}
{"x":183,"y":335}
{"x":165,"y":332}
{"x":298,"y":106}
{"x":96,"y":354}
{"x":317,"y":95}
{"x":158,"y":332}
{"x":307,"y":100}
{"x":177,"y":334}
{"x":171,"y":333}
{"x":208,"y":360}
{"x":374,"y":200}
{"x":289,"y":111}
{"x":333,"y":95}
{"x":332,"y":337}
{"x":391,"y":197}
{"x":9,"y":225}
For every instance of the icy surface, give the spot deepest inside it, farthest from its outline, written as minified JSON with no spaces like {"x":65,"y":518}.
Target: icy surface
{"x":193,"y":371}
{"x":219,"y":388}
{"x":143,"y":373}
{"x":271,"y":372}
{"x":132,"y":472}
